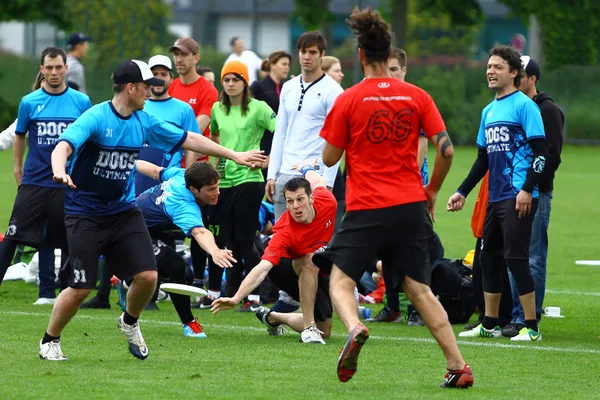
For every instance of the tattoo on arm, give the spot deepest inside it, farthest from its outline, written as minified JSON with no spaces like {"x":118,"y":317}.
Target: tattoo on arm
{"x":443,"y":142}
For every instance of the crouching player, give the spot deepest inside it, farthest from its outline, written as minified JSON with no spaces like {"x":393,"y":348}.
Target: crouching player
{"x":173,"y":207}
{"x":303,"y":229}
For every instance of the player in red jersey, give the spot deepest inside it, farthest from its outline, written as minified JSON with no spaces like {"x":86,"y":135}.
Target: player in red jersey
{"x":378,"y":123}
{"x":192,"y":88}
{"x":305,"y":228}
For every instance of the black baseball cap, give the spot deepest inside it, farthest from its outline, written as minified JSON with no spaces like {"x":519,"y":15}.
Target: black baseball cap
{"x":133,"y":71}
{"x":531,"y":67}
{"x":78,"y":37}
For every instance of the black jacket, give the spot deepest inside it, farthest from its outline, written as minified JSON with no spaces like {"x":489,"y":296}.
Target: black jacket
{"x":554,"y":122}
{"x":267,"y":91}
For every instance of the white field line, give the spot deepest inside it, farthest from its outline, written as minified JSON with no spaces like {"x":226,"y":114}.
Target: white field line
{"x":573,"y":292}
{"x":488,"y":343}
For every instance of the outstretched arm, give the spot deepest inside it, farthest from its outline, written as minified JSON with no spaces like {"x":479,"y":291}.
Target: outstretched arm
{"x":60,"y":154}
{"x":148,"y":169}
{"x":200,"y":144}
{"x":307,"y":168}
{"x":251,"y":281}
{"x":206,"y":240}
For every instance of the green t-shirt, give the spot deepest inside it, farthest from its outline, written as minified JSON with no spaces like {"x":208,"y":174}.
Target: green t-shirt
{"x":241,"y":133}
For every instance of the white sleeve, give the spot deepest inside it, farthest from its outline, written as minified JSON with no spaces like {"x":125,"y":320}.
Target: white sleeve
{"x":7,"y":136}
{"x":281,"y":126}
{"x":258,"y":61}
{"x":228,"y":58}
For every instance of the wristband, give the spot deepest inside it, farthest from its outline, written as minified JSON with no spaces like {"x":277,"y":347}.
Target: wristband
{"x":305,"y":169}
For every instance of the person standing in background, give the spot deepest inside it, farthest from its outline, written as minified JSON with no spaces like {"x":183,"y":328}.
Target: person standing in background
{"x":78,"y":48}
{"x":207,"y":73}
{"x":248,"y":57}
{"x":269,"y":90}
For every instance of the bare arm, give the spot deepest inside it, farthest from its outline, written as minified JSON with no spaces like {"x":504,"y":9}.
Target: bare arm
{"x":443,"y":160}
{"x":148,"y":169}
{"x":206,"y":240}
{"x":331,"y":154}
{"x":200,"y":144}
{"x":191,"y":156}
{"x":18,"y":152}
{"x":307,"y":168}
{"x":251,"y":281}
{"x":59,"y":157}
{"x":203,"y":121}
{"x":422,"y":151}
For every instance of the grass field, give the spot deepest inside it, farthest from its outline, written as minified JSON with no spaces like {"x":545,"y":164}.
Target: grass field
{"x":240,"y":361}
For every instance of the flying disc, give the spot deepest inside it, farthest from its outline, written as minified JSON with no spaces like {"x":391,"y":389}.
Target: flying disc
{"x":595,"y":263}
{"x":186,"y":290}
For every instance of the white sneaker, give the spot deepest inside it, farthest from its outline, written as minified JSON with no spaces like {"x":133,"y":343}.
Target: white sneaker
{"x":137,"y":345}
{"x":527,"y":335}
{"x":51,"y":351}
{"x":44,"y":301}
{"x":480,"y":331}
{"x":311,"y":335}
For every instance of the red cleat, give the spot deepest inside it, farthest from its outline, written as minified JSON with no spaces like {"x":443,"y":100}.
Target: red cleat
{"x":461,"y":379}
{"x":349,"y":356}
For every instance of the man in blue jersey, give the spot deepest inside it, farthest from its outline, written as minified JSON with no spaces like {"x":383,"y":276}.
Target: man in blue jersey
{"x":39,"y":206}
{"x":512,"y":146}
{"x":171,"y":207}
{"x":175,"y":112}
{"x":101,"y":216}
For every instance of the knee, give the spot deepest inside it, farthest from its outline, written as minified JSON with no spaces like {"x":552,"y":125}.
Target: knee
{"x":146,"y":278}
{"x":304,"y":264}
{"x":81,"y":294}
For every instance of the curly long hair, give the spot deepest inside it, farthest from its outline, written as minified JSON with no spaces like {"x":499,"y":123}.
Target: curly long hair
{"x":374,"y":34}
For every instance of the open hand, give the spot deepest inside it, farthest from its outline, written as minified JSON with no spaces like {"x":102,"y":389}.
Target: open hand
{"x":223,"y":258}
{"x":431,"y":200}
{"x":65,"y":179}
{"x":523,"y":205}
{"x":223,"y":303}
{"x":252,"y":158}
{"x":298,"y":166}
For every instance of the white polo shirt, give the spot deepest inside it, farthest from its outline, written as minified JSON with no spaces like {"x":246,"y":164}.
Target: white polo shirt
{"x":297,"y":133}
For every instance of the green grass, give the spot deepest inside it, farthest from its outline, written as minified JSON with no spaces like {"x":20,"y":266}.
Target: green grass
{"x":239,"y":360}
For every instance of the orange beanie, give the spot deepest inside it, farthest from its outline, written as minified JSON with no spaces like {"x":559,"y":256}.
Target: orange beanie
{"x":235,"y":67}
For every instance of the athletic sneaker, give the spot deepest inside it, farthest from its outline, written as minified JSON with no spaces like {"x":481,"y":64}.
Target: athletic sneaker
{"x":386,"y":315}
{"x":348,"y":360}
{"x":527,"y":335}
{"x":462,"y":379}
{"x":137,"y":345}
{"x":512,"y":329}
{"x":415,"y":319}
{"x":162,"y":295}
{"x":262,"y":313}
{"x":470,"y":326}
{"x":249,"y":306}
{"x":45,"y":301}
{"x":312,"y":334}
{"x":480,"y":331}
{"x":121,"y":290}
{"x":193,"y":329}
{"x":204,"y":303}
{"x":51,"y":351}
{"x":95,"y":303}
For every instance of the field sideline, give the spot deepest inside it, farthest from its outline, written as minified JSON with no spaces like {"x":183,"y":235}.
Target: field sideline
{"x":239,"y":360}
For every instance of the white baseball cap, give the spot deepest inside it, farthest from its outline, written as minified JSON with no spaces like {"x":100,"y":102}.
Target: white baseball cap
{"x":161,"y":60}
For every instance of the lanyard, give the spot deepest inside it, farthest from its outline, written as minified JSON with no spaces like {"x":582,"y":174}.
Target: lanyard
{"x":306,"y":90}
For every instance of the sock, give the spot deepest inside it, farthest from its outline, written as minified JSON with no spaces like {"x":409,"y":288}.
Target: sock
{"x":47,"y":338}
{"x":531,"y":324}
{"x":213,"y":294}
{"x":489,"y":322}
{"x":128,"y":319}
{"x":254,"y":297}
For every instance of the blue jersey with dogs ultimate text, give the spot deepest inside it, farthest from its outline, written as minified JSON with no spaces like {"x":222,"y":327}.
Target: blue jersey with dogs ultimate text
{"x":175,"y":112}
{"x":105,"y":147}
{"x":171,"y":205}
{"x":45,"y":116}
{"x":507,"y":124}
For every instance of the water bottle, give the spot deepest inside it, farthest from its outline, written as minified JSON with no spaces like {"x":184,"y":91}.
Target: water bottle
{"x":364,"y":312}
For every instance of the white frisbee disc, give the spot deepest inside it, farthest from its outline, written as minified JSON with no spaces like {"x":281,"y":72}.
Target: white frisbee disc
{"x":186,"y":290}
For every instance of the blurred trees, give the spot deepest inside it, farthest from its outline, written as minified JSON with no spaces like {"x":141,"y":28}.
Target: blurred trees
{"x":52,"y":11}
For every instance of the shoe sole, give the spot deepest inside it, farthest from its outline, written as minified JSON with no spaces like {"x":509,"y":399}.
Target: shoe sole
{"x":348,"y":361}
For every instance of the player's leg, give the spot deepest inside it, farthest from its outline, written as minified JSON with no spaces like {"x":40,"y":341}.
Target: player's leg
{"x":245,"y":210}
{"x":517,"y":237}
{"x":26,"y":223}
{"x":308,"y":281}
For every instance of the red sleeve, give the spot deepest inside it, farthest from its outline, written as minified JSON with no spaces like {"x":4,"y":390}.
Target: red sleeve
{"x":209,"y":97}
{"x":336,"y":129}
{"x":325,"y":197}
{"x":277,"y":248}
{"x":431,"y":120}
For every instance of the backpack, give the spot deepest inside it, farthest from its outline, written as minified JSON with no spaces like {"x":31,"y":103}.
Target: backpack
{"x":452,"y":283}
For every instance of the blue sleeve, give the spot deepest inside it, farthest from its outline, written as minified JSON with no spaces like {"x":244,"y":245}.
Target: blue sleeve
{"x":531,"y":120}
{"x":80,"y":131}
{"x":86,"y":105}
{"x":481,"y":142}
{"x":163,"y":135}
{"x":186,"y":215}
{"x":168,"y":173}
{"x":23,"y":118}
{"x":190,"y":123}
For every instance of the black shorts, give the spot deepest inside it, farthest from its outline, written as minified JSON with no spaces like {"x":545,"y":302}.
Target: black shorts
{"x":36,"y":208}
{"x":235,"y":217}
{"x":285,"y":278}
{"x":504,"y":233}
{"x":399,"y":236}
{"x":122,"y":238}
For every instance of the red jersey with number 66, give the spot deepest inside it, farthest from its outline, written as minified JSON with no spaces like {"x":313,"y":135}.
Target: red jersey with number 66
{"x":378,"y":122}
